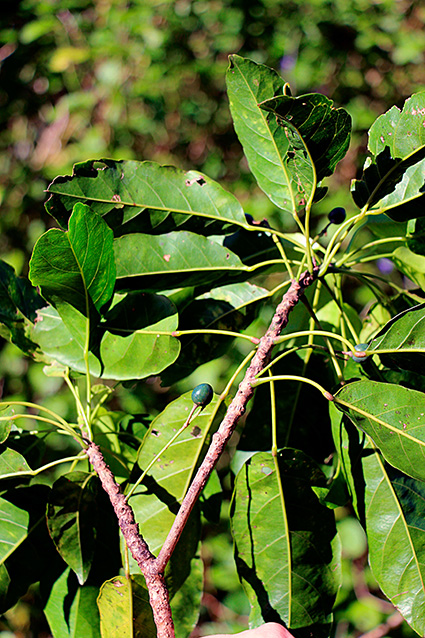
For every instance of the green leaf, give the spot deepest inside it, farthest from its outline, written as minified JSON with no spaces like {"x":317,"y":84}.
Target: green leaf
{"x":286,"y":542}
{"x":11,"y":461}
{"x":395,"y":524}
{"x":404,"y":337}
{"x":173,"y":260}
{"x":393,"y":417}
{"x":13,"y":527}
{"x":324,"y":128}
{"x":410,"y":264}
{"x":117,"y":617}
{"x":145,"y":197}
{"x":18,"y":305}
{"x":6,"y":422}
{"x":276,"y":154}
{"x":71,"y":518}
{"x":156,"y":500}
{"x":71,"y":611}
{"x":393,"y":177}
{"x":134,"y":356}
{"x":76,"y":266}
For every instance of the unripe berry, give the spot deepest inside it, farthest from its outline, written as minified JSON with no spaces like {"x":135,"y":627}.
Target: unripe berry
{"x":360,"y":347}
{"x":202,"y":394}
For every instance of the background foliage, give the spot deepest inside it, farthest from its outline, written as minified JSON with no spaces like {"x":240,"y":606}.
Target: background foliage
{"x":146,"y":80}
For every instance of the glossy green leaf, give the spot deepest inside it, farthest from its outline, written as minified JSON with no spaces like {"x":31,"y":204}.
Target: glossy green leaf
{"x":135,"y":356}
{"x":394,"y":418}
{"x":410,"y":264}
{"x":286,"y":542}
{"x":11,"y":461}
{"x":393,"y":177}
{"x":173,"y":260}
{"x":71,"y":518}
{"x":276,"y":154}
{"x":71,"y":610}
{"x":76,"y":266}
{"x":14,"y":523}
{"x":395,"y":524}
{"x":18,"y":305}
{"x":6,"y":422}
{"x":404,"y":337}
{"x":324,"y":128}
{"x":156,"y":500}
{"x":145,"y":197}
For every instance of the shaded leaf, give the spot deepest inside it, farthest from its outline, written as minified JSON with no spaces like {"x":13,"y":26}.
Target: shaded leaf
{"x":410,"y":264}
{"x":13,"y":527}
{"x":71,"y":515}
{"x":276,"y":154}
{"x":393,"y":177}
{"x":393,"y":417}
{"x":173,"y":260}
{"x":18,"y":305}
{"x":145,"y":197}
{"x":324,"y":128}
{"x":76,"y":266}
{"x":286,"y":542}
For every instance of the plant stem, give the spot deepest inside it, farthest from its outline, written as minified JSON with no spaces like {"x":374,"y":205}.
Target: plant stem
{"x":235,"y":410}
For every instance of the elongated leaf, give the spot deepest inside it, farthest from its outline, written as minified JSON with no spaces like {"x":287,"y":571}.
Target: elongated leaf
{"x":410,"y":264}
{"x":115,"y":604}
{"x":394,"y":176}
{"x":71,"y":610}
{"x":134,"y":356}
{"x":145,"y":197}
{"x":285,"y":540}
{"x":393,"y":417}
{"x":155,"y":501}
{"x":13,"y":528}
{"x":18,"y":305}
{"x":395,"y":524}
{"x":324,"y":128}
{"x":404,"y":337}
{"x":276,"y":154}
{"x":173,"y":260}
{"x":76,"y":266}
{"x":70,"y":518}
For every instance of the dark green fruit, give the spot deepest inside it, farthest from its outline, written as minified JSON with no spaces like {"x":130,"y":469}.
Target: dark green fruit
{"x":202,"y":394}
{"x":360,"y":347}
{"x":337,"y":215}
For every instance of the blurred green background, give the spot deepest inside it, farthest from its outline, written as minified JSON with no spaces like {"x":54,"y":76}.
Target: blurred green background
{"x":146,"y":80}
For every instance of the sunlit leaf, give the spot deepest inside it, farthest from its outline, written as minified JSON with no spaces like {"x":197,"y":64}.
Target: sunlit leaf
{"x":286,"y":543}
{"x":145,"y":197}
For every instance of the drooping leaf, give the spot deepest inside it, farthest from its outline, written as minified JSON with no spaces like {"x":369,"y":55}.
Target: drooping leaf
{"x":71,"y":610}
{"x":71,"y":520}
{"x":18,"y":305}
{"x":394,"y":418}
{"x":13,"y":527}
{"x":410,"y":264}
{"x":395,"y":524}
{"x":393,"y":177}
{"x":404,"y":337}
{"x":134,"y":355}
{"x":173,"y":260}
{"x":286,"y":542}
{"x":324,"y":128}
{"x":145,"y":197}
{"x":276,"y":154}
{"x":76,"y":266}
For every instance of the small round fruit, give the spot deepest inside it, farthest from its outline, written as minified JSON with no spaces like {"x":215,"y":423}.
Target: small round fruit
{"x":360,"y":347}
{"x":337,"y":215}
{"x":202,"y":394}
